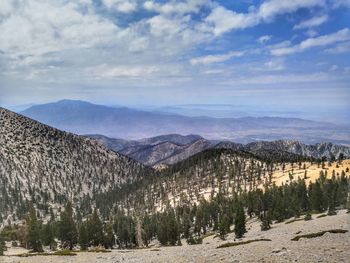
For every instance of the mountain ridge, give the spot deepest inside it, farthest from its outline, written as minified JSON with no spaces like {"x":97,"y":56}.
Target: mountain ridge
{"x":81,"y":117}
{"x":49,"y":166}
{"x":140,"y":150}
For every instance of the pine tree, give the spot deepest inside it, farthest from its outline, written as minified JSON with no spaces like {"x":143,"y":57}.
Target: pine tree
{"x":265,"y":222}
{"x":316,"y":197}
{"x":173,"y":229}
{"x":47,"y":235}
{"x":33,"y":229}
{"x":95,"y":229}
{"x":240,"y":221}
{"x":68,"y":233}
{"x":186,"y":225}
{"x":83,"y":237}
{"x":331,"y":192}
{"x":224,"y":226}
{"x":348,"y":205}
{"x":2,"y":244}
{"x":108,"y":238}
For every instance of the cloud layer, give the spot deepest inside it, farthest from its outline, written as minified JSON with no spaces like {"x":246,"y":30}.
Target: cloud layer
{"x":82,"y":47}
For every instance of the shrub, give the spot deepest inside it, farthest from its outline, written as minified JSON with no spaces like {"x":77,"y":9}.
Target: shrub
{"x":194,"y":241}
{"x":308,"y":217}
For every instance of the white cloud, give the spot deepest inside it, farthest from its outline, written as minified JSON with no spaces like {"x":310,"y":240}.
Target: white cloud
{"x":42,"y":27}
{"x":313,"y":22}
{"x":285,"y":78}
{"x":340,"y":48}
{"x":339,"y":36}
{"x":6,"y":7}
{"x":124,"y":6}
{"x":274,"y":65}
{"x":205,"y":60}
{"x":189,"y":6}
{"x":341,"y":3}
{"x":269,"y":9}
{"x":311,"y":33}
{"x":108,"y":71}
{"x":264,"y":39}
{"x":222,"y":20}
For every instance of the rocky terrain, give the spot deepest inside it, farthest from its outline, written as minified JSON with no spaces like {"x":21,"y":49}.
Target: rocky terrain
{"x":331,"y":248}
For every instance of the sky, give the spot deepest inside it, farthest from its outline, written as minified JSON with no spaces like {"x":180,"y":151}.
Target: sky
{"x":275,"y":54}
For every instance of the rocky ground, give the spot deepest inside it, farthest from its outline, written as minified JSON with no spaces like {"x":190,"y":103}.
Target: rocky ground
{"x":327,"y":248}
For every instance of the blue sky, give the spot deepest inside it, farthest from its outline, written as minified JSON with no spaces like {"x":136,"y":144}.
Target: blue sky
{"x":277,"y":54}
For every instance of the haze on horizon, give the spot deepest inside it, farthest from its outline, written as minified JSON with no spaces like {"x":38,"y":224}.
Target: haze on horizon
{"x":285,"y":58}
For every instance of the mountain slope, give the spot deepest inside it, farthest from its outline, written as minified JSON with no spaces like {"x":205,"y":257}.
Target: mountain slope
{"x":172,"y":148}
{"x":86,"y":118}
{"x":46,"y":165}
{"x":319,"y":150}
{"x":165,"y":149}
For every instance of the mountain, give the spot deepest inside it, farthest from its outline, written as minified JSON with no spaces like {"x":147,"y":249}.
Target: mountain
{"x":49,"y":166}
{"x":173,"y":148}
{"x":165,"y":149}
{"x":318,"y":150}
{"x":120,"y":122}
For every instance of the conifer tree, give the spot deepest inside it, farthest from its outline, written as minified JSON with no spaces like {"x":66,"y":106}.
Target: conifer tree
{"x":2,"y":244}
{"x":83,"y":237}
{"x":95,"y":229}
{"x":316,"y":197}
{"x":68,"y":233}
{"x":265,"y":222}
{"x":224,"y":226}
{"x":47,"y":235}
{"x":33,"y":229}
{"x":108,"y":238}
{"x":240,"y":220}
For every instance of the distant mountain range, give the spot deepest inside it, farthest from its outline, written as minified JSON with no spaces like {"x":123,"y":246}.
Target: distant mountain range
{"x":172,"y":148}
{"x":120,"y":122}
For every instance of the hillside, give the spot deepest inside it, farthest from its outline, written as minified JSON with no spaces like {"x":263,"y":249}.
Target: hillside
{"x":204,"y":174}
{"x":172,"y":148}
{"x":49,"y":166}
{"x":120,"y":122}
{"x":319,"y":150}
{"x":165,"y":149}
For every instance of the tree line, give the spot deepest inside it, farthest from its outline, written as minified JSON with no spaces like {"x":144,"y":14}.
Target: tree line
{"x":220,"y":216}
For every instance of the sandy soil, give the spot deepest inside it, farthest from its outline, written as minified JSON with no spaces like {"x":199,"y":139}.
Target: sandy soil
{"x":327,"y":248}
{"x":312,"y":172}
